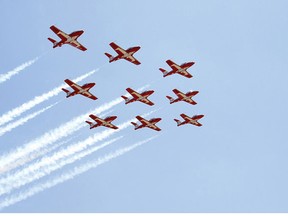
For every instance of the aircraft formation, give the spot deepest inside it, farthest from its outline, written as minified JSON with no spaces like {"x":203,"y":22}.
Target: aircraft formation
{"x":127,"y":54}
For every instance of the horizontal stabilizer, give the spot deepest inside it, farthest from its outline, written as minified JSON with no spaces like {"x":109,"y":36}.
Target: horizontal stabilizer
{"x":178,"y":122}
{"x":66,"y":91}
{"x":135,"y":125}
{"x":52,"y":40}
{"x":163,"y":71}
{"x":109,"y":56}
{"x":170,"y":99}
{"x":90,"y":123}
{"x":125,"y":98}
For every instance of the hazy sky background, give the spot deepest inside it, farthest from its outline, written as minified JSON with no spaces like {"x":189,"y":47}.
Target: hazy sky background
{"x":236,"y":162}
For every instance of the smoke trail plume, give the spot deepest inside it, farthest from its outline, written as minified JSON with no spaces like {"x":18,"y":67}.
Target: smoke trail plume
{"x":10,"y":160}
{"x":10,"y":115}
{"x":68,"y":175}
{"x":9,"y":74}
{"x":11,"y":126}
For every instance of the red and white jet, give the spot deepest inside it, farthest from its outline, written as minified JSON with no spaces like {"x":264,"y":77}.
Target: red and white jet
{"x":189,"y":120}
{"x":180,"y":69}
{"x":67,"y":38}
{"x":102,"y":122}
{"x":83,"y":90}
{"x":147,"y":123}
{"x":183,"y":97}
{"x":123,"y":54}
{"x":142,"y":97}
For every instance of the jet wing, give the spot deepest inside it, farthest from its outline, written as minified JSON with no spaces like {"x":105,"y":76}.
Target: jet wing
{"x":197,"y":124}
{"x":192,"y":93}
{"x":142,"y":120}
{"x":187,"y":65}
{"x":185,"y":73}
{"x":133,"y":60}
{"x":110,"y":118}
{"x":173,"y":65}
{"x":73,"y":85}
{"x":78,"y":45}
{"x":96,"y":119}
{"x":185,"y":117}
{"x":133,"y":92}
{"x":147,"y":93}
{"x":89,"y":95}
{"x":154,"y":127}
{"x":59,"y":33}
{"x":155,"y":120}
{"x":197,"y":117}
{"x":117,"y":49}
{"x":146,"y":101}
{"x":178,"y":93}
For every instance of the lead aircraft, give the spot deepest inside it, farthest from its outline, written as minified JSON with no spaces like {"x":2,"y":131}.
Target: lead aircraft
{"x":123,"y":54}
{"x":189,"y":120}
{"x":83,"y":90}
{"x":70,"y":39}
{"x":183,"y":97}
{"x":142,"y":97}
{"x":147,"y":123}
{"x":179,"y":69}
{"x":102,"y":122}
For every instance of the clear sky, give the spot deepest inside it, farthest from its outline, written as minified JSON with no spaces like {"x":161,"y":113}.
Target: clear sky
{"x":236,"y":162}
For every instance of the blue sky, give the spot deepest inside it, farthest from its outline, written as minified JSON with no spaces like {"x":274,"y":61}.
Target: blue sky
{"x":235,"y":162}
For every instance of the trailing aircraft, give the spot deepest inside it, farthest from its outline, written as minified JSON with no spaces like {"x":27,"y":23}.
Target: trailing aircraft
{"x":189,"y":120}
{"x":123,"y":54}
{"x":183,"y":97}
{"x":147,"y":123}
{"x":83,"y":90}
{"x":179,"y":69}
{"x":70,"y":39}
{"x":142,"y":97}
{"x":102,"y":122}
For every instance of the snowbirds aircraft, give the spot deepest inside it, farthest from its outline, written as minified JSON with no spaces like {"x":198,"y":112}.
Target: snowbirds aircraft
{"x":183,"y":97}
{"x":180,"y":69}
{"x":66,"y":38}
{"x":102,"y":122}
{"x":142,"y":97}
{"x":123,"y":54}
{"x":147,"y":123}
{"x":83,"y":90}
{"x":189,"y":120}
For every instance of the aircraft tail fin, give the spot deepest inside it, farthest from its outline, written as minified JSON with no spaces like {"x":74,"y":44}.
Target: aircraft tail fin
{"x":178,"y":122}
{"x":109,"y":56}
{"x":163,"y":71}
{"x":170,"y":99}
{"x":66,"y":91}
{"x":125,"y":98}
{"x":53,"y":41}
{"x":90,"y":123}
{"x":135,"y":125}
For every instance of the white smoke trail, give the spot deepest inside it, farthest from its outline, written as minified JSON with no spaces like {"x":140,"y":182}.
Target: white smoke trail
{"x":9,"y":160}
{"x":68,"y":175}
{"x":8,"y":75}
{"x":23,"y":120}
{"x":30,"y":173}
{"x":10,"y":115}
{"x":49,"y":164}
{"x":34,"y":155}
